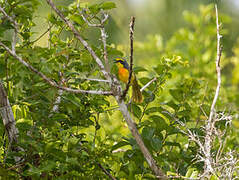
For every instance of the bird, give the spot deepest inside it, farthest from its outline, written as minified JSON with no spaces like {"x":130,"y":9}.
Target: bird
{"x":123,"y":74}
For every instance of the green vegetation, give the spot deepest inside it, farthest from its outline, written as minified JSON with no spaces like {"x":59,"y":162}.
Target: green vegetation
{"x":83,"y":135}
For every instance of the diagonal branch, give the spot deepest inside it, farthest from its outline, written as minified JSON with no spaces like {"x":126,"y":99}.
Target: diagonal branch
{"x":146,"y":85}
{"x":9,"y":18}
{"x":50,"y":81}
{"x":83,"y":42}
{"x":116,"y":89}
{"x":131,"y":36}
{"x":106,"y":172}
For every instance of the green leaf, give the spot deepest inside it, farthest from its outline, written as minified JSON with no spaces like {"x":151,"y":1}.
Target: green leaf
{"x":2,"y":68}
{"x":149,"y":96}
{"x":148,"y":132}
{"x":173,"y":105}
{"x":94,"y":8}
{"x":136,"y":111}
{"x":213,"y":177}
{"x":159,"y":122}
{"x":160,"y":69}
{"x":138,"y":69}
{"x":167,"y":143}
{"x":72,"y":161}
{"x":119,"y":144}
{"x":24,"y":124}
{"x":59,"y":116}
{"x":153,"y":110}
{"x":177,"y":94}
{"x":156,"y":143}
{"x":144,"y":80}
{"x":48,"y":166}
{"x":107,"y":5}
{"x":78,"y":19}
{"x":191,"y":173}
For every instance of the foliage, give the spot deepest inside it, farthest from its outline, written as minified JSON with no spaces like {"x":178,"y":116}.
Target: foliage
{"x":86,"y":132}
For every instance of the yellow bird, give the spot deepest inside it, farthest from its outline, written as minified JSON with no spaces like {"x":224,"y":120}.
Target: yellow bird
{"x":123,"y":73}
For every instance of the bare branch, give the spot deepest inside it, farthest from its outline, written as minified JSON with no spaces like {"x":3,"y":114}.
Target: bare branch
{"x":131,"y":36}
{"x":209,"y":126}
{"x":50,"y":81}
{"x":57,"y":101}
{"x":146,"y":85}
{"x":86,"y":20}
{"x":218,"y":69}
{"x":98,"y":80}
{"x":103,"y":35}
{"x":14,"y":41}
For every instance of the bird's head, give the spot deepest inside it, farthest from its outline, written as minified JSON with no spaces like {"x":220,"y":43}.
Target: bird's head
{"x":121,"y":63}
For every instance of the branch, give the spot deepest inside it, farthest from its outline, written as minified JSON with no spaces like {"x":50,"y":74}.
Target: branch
{"x":78,"y":36}
{"x":146,"y":85}
{"x":131,"y":124}
{"x":98,"y":80}
{"x":209,"y":126}
{"x":14,"y":41}
{"x":103,"y":35}
{"x":9,"y":123}
{"x":146,"y":105}
{"x":218,"y":69}
{"x":106,"y":172}
{"x":131,"y":36}
{"x":9,"y":18}
{"x":50,"y":81}
{"x":116,"y":89}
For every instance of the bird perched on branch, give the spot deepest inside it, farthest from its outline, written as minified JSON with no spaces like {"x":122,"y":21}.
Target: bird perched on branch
{"x":123,"y":74}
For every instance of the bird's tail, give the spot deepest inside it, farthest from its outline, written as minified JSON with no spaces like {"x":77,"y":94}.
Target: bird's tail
{"x":137,"y":95}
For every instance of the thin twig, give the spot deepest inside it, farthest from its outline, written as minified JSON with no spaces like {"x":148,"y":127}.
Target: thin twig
{"x":146,"y":85}
{"x":131,"y":36}
{"x":50,"y":81}
{"x":88,"y":22}
{"x":145,"y":107}
{"x":103,"y":35}
{"x":106,"y":172}
{"x":48,"y":30}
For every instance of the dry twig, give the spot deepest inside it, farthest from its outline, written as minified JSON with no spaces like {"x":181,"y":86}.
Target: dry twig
{"x":131,"y":36}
